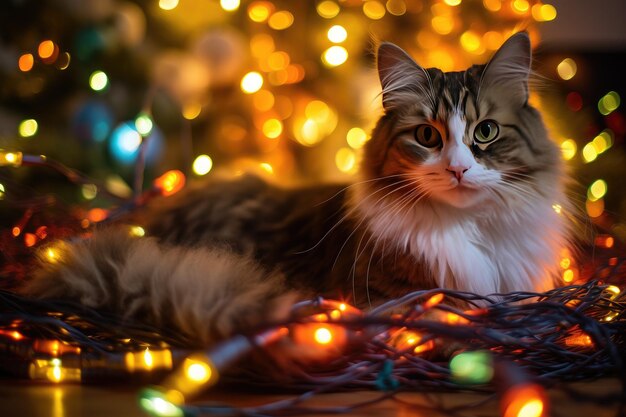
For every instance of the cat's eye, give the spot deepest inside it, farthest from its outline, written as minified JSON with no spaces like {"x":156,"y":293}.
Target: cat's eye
{"x":486,"y":131}
{"x":428,"y":136}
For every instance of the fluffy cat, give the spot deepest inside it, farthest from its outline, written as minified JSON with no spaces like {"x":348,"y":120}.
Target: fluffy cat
{"x":459,"y":180}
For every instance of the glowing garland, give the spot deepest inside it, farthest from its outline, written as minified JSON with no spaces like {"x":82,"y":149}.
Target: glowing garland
{"x":567,"y":334}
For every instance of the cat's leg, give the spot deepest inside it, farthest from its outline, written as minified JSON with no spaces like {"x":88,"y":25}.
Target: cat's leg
{"x":206,"y":293}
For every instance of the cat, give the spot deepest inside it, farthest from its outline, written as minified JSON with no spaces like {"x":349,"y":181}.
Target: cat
{"x":459,"y":182}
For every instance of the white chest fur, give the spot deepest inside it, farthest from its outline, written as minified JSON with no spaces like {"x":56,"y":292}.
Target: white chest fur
{"x":501,"y":252}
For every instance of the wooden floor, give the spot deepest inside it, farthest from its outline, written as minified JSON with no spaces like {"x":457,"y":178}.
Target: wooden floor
{"x":23,"y":399}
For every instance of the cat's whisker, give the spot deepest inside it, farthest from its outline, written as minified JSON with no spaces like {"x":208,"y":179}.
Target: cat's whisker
{"x":350,"y":212}
{"x":364,"y":218}
{"x":360,"y":183}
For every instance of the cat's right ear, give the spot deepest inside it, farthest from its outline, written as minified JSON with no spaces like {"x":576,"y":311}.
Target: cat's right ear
{"x":400,"y":76}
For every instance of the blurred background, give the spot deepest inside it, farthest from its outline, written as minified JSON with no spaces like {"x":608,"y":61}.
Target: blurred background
{"x":282,"y":88}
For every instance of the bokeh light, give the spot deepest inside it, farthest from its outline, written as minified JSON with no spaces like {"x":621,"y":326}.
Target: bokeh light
{"x":337,"y":34}
{"x":251,"y":82}
{"x":374,"y":10}
{"x":597,"y":190}
{"x":472,"y":367}
{"x":168,"y":4}
{"x":281,"y":20}
{"x":335,"y":56}
{"x":259,"y":11}
{"x":272,"y":128}
{"x":98,"y":80}
{"x":567,"y":69}
{"x":230,"y":5}
{"x":609,"y":103}
{"x":124,"y":143}
{"x":202,"y":165}
{"x":356,"y":137}
{"x":25,"y":62}
{"x":568,"y":149}
{"x":328,"y":9}
{"x":28,"y":128}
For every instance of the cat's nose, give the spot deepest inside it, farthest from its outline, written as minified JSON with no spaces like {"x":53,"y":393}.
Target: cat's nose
{"x":457,"y":170}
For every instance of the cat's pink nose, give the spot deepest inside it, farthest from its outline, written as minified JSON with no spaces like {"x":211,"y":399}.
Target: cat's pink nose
{"x":457,"y":170}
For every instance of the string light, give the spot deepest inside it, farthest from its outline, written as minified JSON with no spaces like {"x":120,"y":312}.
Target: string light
{"x":345,"y":160}
{"x":13,"y":159}
{"x":396,"y":7}
{"x":280,"y":20}
{"x":46,"y":49}
{"x":272,"y":128}
{"x":202,"y":165}
{"x":603,"y":141}
{"x":137,"y":231}
{"x":25,"y":62}
{"x":492,"y":5}
{"x":98,"y":80}
{"x":259,"y":11}
{"x":168,"y":4}
{"x":609,"y":103}
{"x":251,"y":82}
{"x":374,"y":10}
{"x":543,"y":12}
{"x":589,"y":153}
{"x":597,"y":190}
{"x":527,"y":400}
{"x":230,"y":5}
{"x":28,"y":128}
{"x":337,"y":34}
{"x":171,"y":182}
{"x":472,"y":367}
{"x":143,"y":124}
{"x":89,"y":191}
{"x":328,"y":9}
{"x":567,"y":69}
{"x":568,"y":149}
{"x":334,"y":56}
{"x":191,"y":111}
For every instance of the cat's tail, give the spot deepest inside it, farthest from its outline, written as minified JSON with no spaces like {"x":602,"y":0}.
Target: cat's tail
{"x":207,"y":294}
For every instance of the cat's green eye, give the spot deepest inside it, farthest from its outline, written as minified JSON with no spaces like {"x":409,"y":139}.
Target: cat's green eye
{"x":428,"y":136}
{"x":486,"y":131}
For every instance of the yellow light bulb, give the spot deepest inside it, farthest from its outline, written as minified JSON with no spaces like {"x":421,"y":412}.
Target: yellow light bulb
{"x":567,"y":69}
{"x":568,"y":149}
{"x":272,"y":128}
{"x":328,"y":9}
{"x":196,"y":371}
{"x":98,"y":80}
{"x":28,"y":128}
{"x":191,"y":111}
{"x":137,"y":231}
{"x":337,"y":34}
{"x":345,"y":160}
{"x":168,"y":4}
{"x":597,"y":190}
{"x":374,"y":10}
{"x":532,"y":408}
{"x":589,"y":153}
{"x":202,"y":165}
{"x":251,"y":82}
{"x":230,"y":5}
{"x":335,"y":56}
{"x":280,"y":20}
{"x":323,"y":336}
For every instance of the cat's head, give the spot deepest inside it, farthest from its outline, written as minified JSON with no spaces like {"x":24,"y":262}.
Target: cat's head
{"x":461,"y":139}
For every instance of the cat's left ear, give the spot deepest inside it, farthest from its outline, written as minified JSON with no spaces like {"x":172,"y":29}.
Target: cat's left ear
{"x":509,"y":68}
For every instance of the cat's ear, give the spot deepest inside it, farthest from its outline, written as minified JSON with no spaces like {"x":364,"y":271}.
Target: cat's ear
{"x":400,"y":76}
{"x":510,"y":67}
